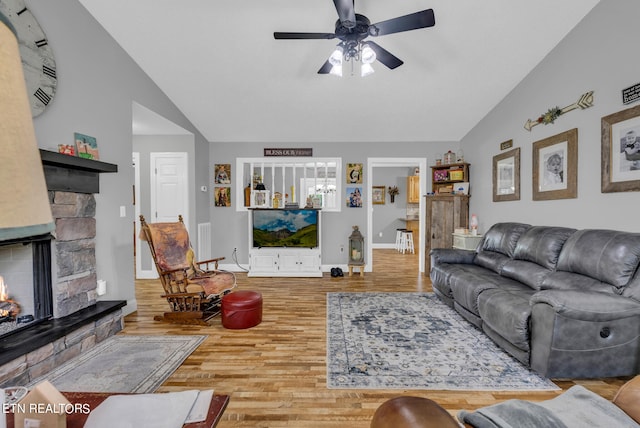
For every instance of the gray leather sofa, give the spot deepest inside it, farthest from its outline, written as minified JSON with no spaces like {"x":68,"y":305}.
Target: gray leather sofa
{"x":564,"y":302}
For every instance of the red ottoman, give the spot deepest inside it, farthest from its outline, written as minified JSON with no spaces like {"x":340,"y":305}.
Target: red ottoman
{"x":242,"y":309}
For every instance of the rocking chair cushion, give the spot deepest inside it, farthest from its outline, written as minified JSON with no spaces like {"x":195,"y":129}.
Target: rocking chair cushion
{"x":171,"y":243}
{"x":215,"y":283}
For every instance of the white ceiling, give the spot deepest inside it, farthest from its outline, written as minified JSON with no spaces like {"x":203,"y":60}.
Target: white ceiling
{"x":218,"y":62}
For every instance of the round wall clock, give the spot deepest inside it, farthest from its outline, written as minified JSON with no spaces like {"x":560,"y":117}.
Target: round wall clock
{"x":37,"y":57}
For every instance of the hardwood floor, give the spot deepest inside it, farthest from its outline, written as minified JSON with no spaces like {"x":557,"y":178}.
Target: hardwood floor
{"x":275,"y":372}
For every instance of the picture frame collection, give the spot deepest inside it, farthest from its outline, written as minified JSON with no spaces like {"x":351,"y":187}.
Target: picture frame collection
{"x":555,"y":161}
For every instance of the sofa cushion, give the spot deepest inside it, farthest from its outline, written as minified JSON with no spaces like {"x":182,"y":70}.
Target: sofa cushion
{"x":542,"y":245}
{"x":469,"y":281}
{"x":607,"y":255}
{"x":507,"y":313}
{"x":498,"y":245}
{"x":560,"y":280}
{"x":491,"y":260}
{"x":529,"y":273}
{"x":440,"y":277}
{"x":503,"y":237}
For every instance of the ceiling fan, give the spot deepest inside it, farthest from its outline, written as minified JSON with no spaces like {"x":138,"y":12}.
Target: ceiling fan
{"x":352,"y":29}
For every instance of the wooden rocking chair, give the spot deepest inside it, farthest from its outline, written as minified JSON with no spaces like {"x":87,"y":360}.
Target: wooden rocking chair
{"x":193,"y":290}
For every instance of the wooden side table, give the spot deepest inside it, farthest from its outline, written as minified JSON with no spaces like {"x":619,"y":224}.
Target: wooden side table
{"x":466,"y":241}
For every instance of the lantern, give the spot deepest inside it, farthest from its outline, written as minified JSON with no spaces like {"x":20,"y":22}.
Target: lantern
{"x":356,"y":247}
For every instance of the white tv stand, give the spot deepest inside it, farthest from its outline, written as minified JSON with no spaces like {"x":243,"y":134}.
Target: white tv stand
{"x":284,"y":261}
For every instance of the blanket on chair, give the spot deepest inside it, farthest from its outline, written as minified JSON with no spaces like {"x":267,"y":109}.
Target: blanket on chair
{"x":576,"y":408}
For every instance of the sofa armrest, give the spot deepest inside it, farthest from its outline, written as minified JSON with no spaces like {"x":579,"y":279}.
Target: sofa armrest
{"x":452,"y":255}
{"x":584,"y":334}
{"x":588,"y":305}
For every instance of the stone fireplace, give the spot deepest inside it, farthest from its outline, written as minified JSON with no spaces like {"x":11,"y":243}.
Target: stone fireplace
{"x":67,"y":316}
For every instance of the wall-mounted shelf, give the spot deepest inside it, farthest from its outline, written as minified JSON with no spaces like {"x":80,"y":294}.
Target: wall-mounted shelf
{"x":73,"y":162}
{"x":73,"y":174}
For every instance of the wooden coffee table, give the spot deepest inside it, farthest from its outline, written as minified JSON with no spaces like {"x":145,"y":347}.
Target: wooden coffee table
{"x":93,"y":399}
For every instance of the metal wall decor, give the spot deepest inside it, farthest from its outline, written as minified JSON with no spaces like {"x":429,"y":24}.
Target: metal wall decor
{"x":585,"y":101}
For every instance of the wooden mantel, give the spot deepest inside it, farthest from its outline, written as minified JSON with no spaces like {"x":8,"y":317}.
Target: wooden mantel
{"x":73,"y":174}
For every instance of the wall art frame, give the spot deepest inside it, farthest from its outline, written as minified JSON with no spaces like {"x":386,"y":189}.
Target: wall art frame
{"x":555,"y":166}
{"x":354,"y":173}
{"x":378,"y":195}
{"x":222,"y":196}
{"x":260,"y":199}
{"x":506,"y":176}
{"x":620,"y":155}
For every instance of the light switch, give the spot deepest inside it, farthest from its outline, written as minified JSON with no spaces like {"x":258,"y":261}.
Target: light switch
{"x":123,"y":211}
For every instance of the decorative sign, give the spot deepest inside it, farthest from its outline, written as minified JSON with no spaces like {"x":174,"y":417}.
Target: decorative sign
{"x":506,"y":145}
{"x":631,"y":94}
{"x":288,"y":152}
{"x":585,"y":101}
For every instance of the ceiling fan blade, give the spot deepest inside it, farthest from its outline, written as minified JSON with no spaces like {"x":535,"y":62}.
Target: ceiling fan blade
{"x":409,"y":22}
{"x":326,"y":68}
{"x":384,"y":56}
{"x":295,"y":36}
{"x":346,"y":12}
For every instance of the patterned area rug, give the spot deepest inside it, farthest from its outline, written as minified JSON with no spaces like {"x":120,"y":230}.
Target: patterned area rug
{"x":123,"y":364}
{"x":414,"y":341}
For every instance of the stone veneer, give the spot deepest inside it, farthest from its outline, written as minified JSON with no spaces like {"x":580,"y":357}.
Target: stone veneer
{"x":74,"y":290}
{"x":74,"y":252}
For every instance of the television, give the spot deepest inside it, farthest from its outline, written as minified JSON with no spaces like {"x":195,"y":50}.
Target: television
{"x":295,"y":228}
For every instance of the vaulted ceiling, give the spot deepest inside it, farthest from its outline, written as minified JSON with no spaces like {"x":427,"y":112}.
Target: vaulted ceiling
{"x":218,"y":62}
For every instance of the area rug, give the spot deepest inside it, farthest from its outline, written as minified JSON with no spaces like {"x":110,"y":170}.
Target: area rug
{"x":123,"y":364}
{"x":414,"y":341}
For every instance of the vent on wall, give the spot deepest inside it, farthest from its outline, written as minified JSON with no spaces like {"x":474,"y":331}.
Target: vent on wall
{"x":204,"y":241}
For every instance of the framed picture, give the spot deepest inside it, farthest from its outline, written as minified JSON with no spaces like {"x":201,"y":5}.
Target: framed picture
{"x":354,"y":173}
{"x":621,"y":151}
{"x":506,"y":176}
{"x":86,"y":146}
{"x":222,"y":173}
{"x":377,"y":195}
{"x":316,"y":200}
{"x":555,"y":167}
{"x":222,"y":196}
{"x":260,"y":199}
{"x":354,"y":197}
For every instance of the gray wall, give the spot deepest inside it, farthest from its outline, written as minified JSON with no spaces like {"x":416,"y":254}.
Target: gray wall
{"x":600,"y":54}
{"x":97,"y":83}
{"x":230,"y":228}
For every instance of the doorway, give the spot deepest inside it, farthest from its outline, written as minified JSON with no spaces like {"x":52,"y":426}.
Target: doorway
{"x":421,"y":163}
{"x":162,"y":146}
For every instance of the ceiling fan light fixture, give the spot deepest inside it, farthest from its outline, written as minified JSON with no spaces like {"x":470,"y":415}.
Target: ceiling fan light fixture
{"x":366,"y":69}
{"x":368,"y":54}
{"x":336,"y":56}
{"x":336,"y":70}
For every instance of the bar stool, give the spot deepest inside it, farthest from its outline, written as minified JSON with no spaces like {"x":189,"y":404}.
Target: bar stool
{"x":399,"y":232}
{"x":406,"y":242}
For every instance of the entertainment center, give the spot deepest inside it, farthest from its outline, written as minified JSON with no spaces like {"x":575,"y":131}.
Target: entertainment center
{"x":284,"y":242}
